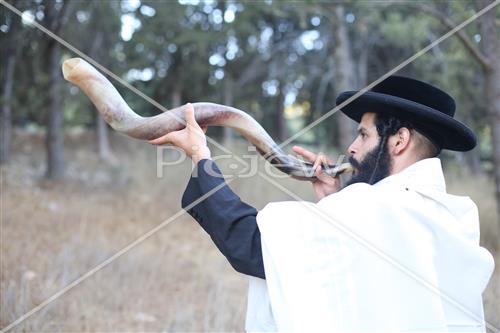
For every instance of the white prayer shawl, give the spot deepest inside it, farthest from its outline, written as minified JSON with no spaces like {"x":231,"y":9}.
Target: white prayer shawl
{"x":401,"y":255}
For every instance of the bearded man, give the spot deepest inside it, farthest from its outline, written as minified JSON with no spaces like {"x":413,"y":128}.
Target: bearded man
{"x":389,"y":250}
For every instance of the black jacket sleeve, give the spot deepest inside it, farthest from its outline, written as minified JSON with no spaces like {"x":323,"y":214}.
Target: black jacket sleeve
{"x":231,"y":223}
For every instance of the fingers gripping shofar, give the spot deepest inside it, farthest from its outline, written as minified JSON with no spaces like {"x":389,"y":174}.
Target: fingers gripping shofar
{"x":122,"y":118}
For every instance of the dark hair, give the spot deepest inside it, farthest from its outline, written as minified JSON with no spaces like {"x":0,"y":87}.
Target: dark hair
{"x":388,"y":125}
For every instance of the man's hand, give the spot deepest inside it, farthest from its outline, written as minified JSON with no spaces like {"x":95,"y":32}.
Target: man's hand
{"x":324,"y":184}
{"x":191,"y":139}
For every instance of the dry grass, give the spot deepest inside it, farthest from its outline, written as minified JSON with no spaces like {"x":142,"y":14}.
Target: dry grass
{"x":174,"y":281}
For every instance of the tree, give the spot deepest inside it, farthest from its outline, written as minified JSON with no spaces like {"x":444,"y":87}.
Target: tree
{"x":487,"y":57}
{"x":55,"y":14}
{"x":344,"y":73}
{"x":12,"y":43}
{"x":106,"y":18}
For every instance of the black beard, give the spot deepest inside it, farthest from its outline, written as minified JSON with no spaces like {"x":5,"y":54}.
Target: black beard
{"x":369,"y":170}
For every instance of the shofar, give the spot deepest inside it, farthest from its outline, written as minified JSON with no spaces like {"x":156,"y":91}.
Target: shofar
{"x":118,"y":114}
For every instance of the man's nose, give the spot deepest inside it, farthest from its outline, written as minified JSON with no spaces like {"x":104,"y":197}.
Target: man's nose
{"x":351,"y":150}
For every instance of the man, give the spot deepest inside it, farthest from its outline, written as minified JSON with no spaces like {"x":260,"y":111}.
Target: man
{"x":391,"y":250}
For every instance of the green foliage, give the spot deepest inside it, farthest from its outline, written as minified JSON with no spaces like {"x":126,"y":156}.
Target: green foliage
{"x":260,"y":54}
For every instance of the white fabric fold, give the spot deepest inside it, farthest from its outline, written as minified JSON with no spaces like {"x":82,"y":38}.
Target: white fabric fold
{"x":401,"y":255}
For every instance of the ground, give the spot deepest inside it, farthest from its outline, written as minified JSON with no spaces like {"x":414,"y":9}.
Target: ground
{"x":175,"y":280}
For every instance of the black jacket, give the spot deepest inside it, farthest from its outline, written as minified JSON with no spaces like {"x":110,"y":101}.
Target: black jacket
{"x":230,"y":222}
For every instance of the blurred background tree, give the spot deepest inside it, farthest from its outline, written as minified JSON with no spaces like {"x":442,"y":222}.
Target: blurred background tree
{"x":282,"y":62}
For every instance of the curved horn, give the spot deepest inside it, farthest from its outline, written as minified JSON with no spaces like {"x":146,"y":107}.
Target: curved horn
{"x":122,"y":118}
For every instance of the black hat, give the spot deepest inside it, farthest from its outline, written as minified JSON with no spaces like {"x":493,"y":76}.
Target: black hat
{"x":429,"y":109}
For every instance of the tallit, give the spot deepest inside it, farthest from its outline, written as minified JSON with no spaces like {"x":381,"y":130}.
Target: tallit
{"x":401,"y":255}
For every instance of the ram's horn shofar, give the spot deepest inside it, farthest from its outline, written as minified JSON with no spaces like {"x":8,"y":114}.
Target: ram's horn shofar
{"x":122,"y":118}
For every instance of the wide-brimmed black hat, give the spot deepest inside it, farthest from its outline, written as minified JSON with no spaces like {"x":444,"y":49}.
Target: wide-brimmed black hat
{"x":429,"y":109}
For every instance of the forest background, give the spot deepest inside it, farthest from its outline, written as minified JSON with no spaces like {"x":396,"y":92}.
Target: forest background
{"x":74,"y":193}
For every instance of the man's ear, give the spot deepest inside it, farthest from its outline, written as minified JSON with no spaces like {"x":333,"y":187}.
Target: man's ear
{"x":400,"y":141}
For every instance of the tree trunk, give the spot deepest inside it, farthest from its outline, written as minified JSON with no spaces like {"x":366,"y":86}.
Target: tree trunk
{"x":55,"y":15}
{"x":55,"y":134}
{"x":103,"y":147}
{"x":491,"y":45}
{"x":228,"y":100}
{"x":472,"y":160}
{"x":344,"y":76}
{"x":279,"y":115}
{"x":6,"y":115}
{"x":10,"y":51}
{"x":102,"y":132}
{"x":493,"y":102}
{"x":176,"y":96}
{"x":362,"y":66}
